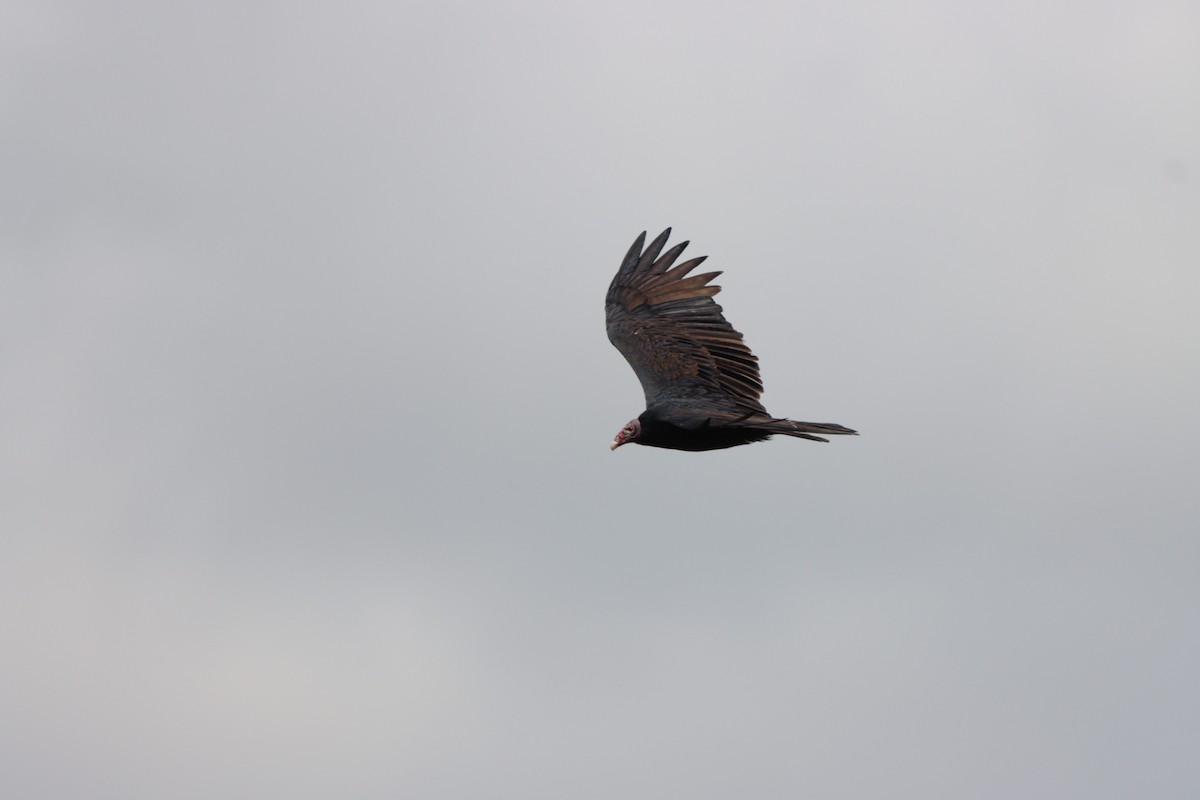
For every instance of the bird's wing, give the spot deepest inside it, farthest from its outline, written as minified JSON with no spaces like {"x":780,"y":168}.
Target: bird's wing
{"x":672,"y":333}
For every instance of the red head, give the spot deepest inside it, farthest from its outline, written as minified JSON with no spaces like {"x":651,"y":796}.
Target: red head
{"x":628,"y":434}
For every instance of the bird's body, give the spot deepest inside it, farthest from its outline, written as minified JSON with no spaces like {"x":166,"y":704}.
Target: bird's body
{"x":701,"y":381}
{"x":658,"y":430}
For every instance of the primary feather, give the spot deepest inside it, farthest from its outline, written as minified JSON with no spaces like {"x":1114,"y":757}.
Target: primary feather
{"x":701,"y":381}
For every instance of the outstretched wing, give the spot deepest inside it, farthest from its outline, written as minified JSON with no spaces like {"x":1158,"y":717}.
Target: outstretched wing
{"x":671,"y":332}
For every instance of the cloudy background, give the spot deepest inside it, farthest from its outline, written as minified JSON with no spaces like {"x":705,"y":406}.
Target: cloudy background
{"x":305,"y":401}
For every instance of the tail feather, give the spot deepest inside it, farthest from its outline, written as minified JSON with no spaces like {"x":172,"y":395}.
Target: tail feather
{"x":802,"y":430}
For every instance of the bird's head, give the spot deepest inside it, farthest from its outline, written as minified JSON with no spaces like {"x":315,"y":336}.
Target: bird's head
{"x":628,"y":434}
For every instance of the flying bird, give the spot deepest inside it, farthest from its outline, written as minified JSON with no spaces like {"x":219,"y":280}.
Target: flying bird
{"x":701,"y":380}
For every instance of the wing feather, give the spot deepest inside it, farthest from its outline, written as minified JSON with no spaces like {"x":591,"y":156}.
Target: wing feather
{"x":673,"y":334}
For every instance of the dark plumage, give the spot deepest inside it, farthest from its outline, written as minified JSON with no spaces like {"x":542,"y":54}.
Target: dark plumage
{"x":701,"y":381}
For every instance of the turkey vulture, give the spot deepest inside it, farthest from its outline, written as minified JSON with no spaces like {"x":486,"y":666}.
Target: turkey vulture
{"x":701,"y":381}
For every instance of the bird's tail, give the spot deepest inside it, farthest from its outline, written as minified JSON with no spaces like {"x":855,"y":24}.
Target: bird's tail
{"x":802,"y":430}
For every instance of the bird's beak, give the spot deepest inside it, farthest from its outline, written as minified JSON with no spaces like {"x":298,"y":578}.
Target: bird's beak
{"x":615,"y":444}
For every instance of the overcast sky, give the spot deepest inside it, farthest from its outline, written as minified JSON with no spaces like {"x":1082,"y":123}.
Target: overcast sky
{"x":305,"y":401}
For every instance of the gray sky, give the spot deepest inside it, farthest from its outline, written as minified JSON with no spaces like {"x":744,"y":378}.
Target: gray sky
{"x":305,"y":401}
